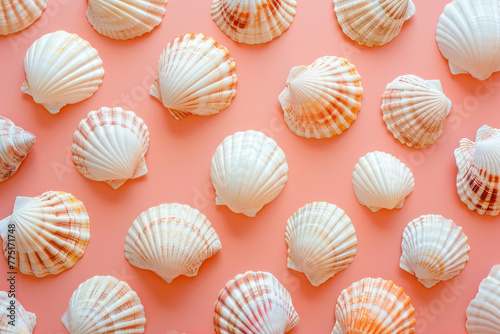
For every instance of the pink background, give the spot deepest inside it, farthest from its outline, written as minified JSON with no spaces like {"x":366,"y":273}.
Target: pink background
{"x":320,"y":170}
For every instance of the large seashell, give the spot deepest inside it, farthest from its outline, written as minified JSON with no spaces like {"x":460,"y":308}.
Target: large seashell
{"x":254,"y":303}
{"x":15,"y":144}
{"x":321,"y":241}
{"x":434,"y":249}
{"x":49,"y":233}
{"x":478,"y":178}
{"x":373,"y":22}
{"x":374,"y":306}
{"x":196,"y":75}
{"x":248,"y":170}
{"x":61,"y":68}
{"x":104,"y":304}
{"x":109,"y":145}
{"x":321,"y":100}
{"x":381,"y":181}
{"x":16,"y":15}
{"x":468,"y":35}
{"x":253,"y":21}
{"x":125,"y":19}
{"x":415,"y":110}
{"x":171,"y":240}
{"x":24,"y":321}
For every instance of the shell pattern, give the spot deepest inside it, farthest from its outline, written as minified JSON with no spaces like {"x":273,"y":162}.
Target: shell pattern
{"x":24,"y":321}
{"x":16,"y":15}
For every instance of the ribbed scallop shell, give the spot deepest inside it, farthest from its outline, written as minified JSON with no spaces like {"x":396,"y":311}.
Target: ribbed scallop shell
{"x":171,"y":240}
{"x":478,"y":178}
{"x":254,"y":303}
{"x":468,"y":35}
{"x":321,"y":100}
{"x":374,"y":306}
{"x":61,"y":68}
{"x":415,"y":110}
{"x":373,"y":22}
{"x":321,"y":241}
{"x":434,"y":249}
{"x":104,"y":304}
{"x":248,"y":170}
{"x":49,"y":233}
{"x":125,"y":19}
{"x":24,"y":321}
{"x":110,"y":145}
{"x":196,"y":75}
{"x":253,"y":21}
{"x":16,"y":15}
{"x":15,"y":144}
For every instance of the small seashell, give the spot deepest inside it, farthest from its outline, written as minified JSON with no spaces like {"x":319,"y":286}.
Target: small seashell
{"x":16,"y":15}
{"x":254,"y":303}
{"x":196,"y":75}
{"x":321,"y":100}
{"x":110,"y":145}
{"x":24,"y":321}
{"x":321,"y":241}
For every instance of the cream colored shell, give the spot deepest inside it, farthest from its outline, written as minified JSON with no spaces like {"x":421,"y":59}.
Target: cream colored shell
{"x":16,"y":15}
{"x":24,"y":321}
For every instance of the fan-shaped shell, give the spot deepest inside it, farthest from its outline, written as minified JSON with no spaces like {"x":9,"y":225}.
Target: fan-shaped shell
{"x":254,"y":303}
{"x":104,"y":304}
{"x":415,"y":110}
{"x":14,"y":319}
{"x":478,"y":178}
{"x":468,"y":35}
{"x":321,"y":241}
{"x":110,"y":145}
{"x":16,"y":15}
{"x":248,"y":170}
{"x":373,"y":22}
{"x":321,"y":100}
{"x":196,"y":75}
{"x":381,"y":181}
{"x":61,"y":68}
{"x":49,"y":233}
{"x":171,"y":240}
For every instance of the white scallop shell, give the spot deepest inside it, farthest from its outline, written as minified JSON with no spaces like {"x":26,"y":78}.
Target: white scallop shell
{"x":24,"y":321}
{"x":16,"y":15}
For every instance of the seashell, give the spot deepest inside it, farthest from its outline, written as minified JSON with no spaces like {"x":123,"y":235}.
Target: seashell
{"x":15,"y":144}
{"x":171,"y":240}
{"x":16,"y":15}
{"x":61,"y":68}
{"x":321,"y":100}
{"x":110,"y":145}
{"x":125,"y":19}
{"x":104,"y":304}
{"x":373,"y":22}
{"x":434,"y":249}
{"x":374,"y":305}
{"x":24,"y":321}
{"x":415,"y":110}
{"x":468,"y":35}
{"x":253,"y":21}
{"x":196,"y":75}
{"x":248,"y":170}
{"x":478,"y":178}
{"x":381,"y":181}
{"x":254,"y":303}
{"x":321,"y":241}
{"x":49,"y":233}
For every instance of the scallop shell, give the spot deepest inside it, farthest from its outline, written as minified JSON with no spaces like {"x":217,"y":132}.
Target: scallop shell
{"x":171,"y":240}
{"x":196,"y":76}
{"x":381,"y":181}
{"x":321,"y":241}
{"x":254,"y":303}
{"x":321,"y":100}
{"x":434,"y":249}
{"x":374,"y":305}
{"x":253,"y":21}
{"x":15,"y":144}
{"x":16,"y":15}
{"x":468,"y":35}
{"x":61,"y":68}
{"x":373,"y":22}
{"x":478,"y":178}
{"x":49,"y":233}
{"x":24,"y":321}
{"x":110,"y":145}
{"x":125,"y":19}
{"x":104,"y":304}
{"x":415,"y":110}
{"x":248,"y":170}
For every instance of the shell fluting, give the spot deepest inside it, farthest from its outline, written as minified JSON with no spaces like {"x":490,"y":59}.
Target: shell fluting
{"x":16,"y":15}
{"x":24,"y":321}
